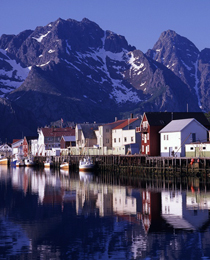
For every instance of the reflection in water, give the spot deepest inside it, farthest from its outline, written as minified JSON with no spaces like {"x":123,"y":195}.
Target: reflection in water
{"x":46,"y":214}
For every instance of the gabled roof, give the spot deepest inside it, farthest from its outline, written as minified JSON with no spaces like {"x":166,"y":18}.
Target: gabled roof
{"x":58,"y":132}
{"x":179,"y":125}
{"x":125,"y":123}
{"x":163,"y":118}
{"x":89,"y":130}
{"x":69,"y":138}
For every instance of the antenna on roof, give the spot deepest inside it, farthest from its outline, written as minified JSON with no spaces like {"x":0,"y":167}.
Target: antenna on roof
{"x":187,"y":107}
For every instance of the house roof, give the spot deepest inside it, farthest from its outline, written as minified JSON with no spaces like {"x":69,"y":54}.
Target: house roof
{"x":69,"y":138}
{"x":125,"y":123}
{"x":56,"y":132}
{"x":179,"y":125}
{"x":163,"y":118}
{"x":89,"y":130}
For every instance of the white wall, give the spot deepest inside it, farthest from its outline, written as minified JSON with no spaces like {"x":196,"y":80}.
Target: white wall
{"x":173,"y":140}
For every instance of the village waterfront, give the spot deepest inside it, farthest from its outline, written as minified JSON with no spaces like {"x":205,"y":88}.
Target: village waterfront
{"x":68,"y":214}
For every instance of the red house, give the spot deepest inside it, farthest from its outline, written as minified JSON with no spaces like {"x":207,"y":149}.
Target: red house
{"x":153,"y":122}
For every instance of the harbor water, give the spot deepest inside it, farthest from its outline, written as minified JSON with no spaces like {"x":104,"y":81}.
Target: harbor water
{"x":55,"y":214}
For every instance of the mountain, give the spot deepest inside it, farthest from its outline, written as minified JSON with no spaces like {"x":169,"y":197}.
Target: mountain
{"x":79,"y":72}
{"x":184,"y":59}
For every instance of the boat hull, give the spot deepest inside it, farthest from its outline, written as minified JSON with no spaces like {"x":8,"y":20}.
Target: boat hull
{"x":4,"y":161}
{"x":64,"y":166}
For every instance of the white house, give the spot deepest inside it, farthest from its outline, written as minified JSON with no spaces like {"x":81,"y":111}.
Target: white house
{"x":177,"y":133}
{"x":124,"y":136}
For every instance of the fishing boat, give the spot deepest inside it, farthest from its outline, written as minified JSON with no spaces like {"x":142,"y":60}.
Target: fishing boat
{"x":86,"y":164}
{"x":3,"y":160}
{"x":48,"y":163}
{"x":20,"y":163}
{"x":64,"y":165}
{"x":29,"y":162}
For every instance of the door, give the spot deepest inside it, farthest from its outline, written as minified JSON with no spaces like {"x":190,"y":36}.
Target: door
{"x":170,"y":151}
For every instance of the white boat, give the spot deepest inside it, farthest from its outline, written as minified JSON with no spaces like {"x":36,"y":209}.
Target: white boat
{"x":20,"y":163}
{"x":86,"y":164}
{"x":64,"y":165}
{"x":48,"y":164}
{"x":29,"y":162}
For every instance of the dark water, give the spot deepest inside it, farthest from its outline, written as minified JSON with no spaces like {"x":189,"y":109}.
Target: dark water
{"x":53,"y":215}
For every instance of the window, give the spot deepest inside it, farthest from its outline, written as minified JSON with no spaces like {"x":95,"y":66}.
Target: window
{"x":191,"y":148}
{"x":107,"y":140}
{"x":193,"y":137}
{"x":165,"y":148}
{"x":125,"y":139}
{"x":131,"y":138}
{"x":107,"y":130}
{"x":204,"y":148}
{"x":142,"y":148}
{"x":119,"y":140}
{"x":147,"y":136}
{"x":142,"y":137}
{"x":114,"y":140}
{"x":175,"y":147}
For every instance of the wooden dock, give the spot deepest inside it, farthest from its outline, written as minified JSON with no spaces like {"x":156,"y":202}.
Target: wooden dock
{"x":134,"y":163}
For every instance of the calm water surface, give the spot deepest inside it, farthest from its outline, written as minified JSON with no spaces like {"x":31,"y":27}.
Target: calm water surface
{"x":47,"y":214}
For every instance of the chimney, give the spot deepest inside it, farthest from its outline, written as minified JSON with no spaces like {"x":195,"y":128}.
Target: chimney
{"x":115,"y":119}
{"x":131,"y":116}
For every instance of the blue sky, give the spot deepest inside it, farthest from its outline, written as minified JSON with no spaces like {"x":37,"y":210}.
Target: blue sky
{"x":140,"y":21}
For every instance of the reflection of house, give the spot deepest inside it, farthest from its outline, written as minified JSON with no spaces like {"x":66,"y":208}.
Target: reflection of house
{"x":123,"y":204}
{"x":176,"y":212}
{"x":153,"y":122}
{"x":151,"y":208}
{"x":177,"y":133}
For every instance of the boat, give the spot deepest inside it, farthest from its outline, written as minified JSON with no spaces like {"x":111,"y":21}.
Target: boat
{"x":48,"y":163}
{"x":64,"y":165}
{"x":20,"y":163}
{"x":86,"y":164}
{"x":3,"y":160}
{"x":29,"y":162}
{"x":13,"y":162}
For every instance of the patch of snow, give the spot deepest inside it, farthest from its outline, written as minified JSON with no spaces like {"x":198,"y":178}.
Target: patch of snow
{"x":122,"y":94}
{"x":158,"y":50}
{"x":84,"y":96}
{"x":51,"y":51}
{"x":71,"y":64}
{"x":187,"y":67}
{"x":145,"y":89}
{"x":142,"y":84}
{"x":68,"y":47}
{"x":14,"y":77}
{"x":42,"y":65}
{"x":40,"y":56}
{"x":197,"y":82}
{"x":41,"y":37}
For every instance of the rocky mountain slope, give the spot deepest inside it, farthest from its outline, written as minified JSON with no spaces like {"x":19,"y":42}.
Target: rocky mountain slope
{"x":79,"y":72}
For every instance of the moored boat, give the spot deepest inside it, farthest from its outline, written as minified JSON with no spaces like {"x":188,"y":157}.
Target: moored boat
{"x":48,"y":163}
{"x":86,"y":164}
{"x":64,"y":165}
{"x":20,"y":163}
{"x":29,"y":162}
{"x":3,"y":161}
